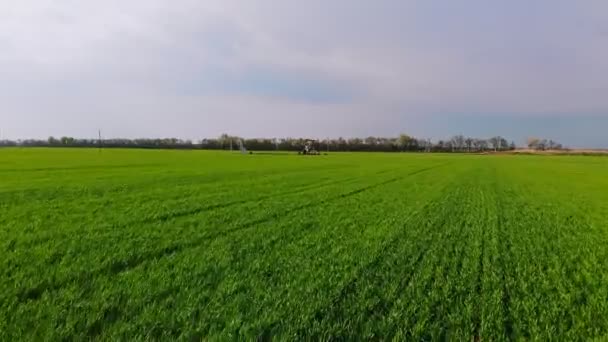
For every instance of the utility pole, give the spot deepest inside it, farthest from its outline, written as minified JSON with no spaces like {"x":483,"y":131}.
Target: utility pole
{"x":99,"y":139}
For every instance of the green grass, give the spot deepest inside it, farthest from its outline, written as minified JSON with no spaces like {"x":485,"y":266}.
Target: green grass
{"x":146,"y":244}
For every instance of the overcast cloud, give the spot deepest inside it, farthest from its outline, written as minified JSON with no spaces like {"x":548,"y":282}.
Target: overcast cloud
{"x":193,"y":69}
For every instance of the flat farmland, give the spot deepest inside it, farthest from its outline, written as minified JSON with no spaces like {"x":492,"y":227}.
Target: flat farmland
{"x":149,"y":244}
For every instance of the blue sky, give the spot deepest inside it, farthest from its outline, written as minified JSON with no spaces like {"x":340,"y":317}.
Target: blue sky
{"x":315,"y":68}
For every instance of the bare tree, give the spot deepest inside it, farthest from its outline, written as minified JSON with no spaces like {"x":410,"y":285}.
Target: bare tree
{"x":457,"y":142}
{"x":498,"y":143}
{"x":469,"y":143}
{"x":483,"y":144}
{"x":533,"y":143}
{"x":371,"y":141}
{"x":405,"y":141}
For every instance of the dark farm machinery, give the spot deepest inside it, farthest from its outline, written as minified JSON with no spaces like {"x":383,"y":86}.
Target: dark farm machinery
{"x":309,"y":149}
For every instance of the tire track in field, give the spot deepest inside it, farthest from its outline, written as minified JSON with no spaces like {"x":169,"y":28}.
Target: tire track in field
{"x":119,"y":266}
{"x":123,"y":265}
{"x":478,"y":317}
{"x":506,"y":296}
{"x":171,"y":250}
{"x":198,"y":210}
{"x":276,"y":215}
{"x":506,"y":249}
{"x":448,"y":241}
{"x":174,"y":215}
{"x":32,"y":195}
{"x":179,"y":247}
{"x":305,"y":188}
{"x":83,"y":167}
{"x":132,"y":262}
{"x":443,"y":232}
{"x":332,"y":311}
{"x":303,"y":230}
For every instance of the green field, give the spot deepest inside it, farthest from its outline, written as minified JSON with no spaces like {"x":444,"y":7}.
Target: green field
{"x":148,"y":244}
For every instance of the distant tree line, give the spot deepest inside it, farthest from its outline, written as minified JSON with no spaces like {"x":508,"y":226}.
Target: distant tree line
{"x":112,"y":143}
{"x":543,"y":144}
{"x":402,"y":143}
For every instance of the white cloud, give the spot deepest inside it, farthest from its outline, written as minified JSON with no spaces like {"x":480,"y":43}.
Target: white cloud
{"x":120,"y":63}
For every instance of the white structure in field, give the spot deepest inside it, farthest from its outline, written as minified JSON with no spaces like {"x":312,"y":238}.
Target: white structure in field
{"x":242,"y":147}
